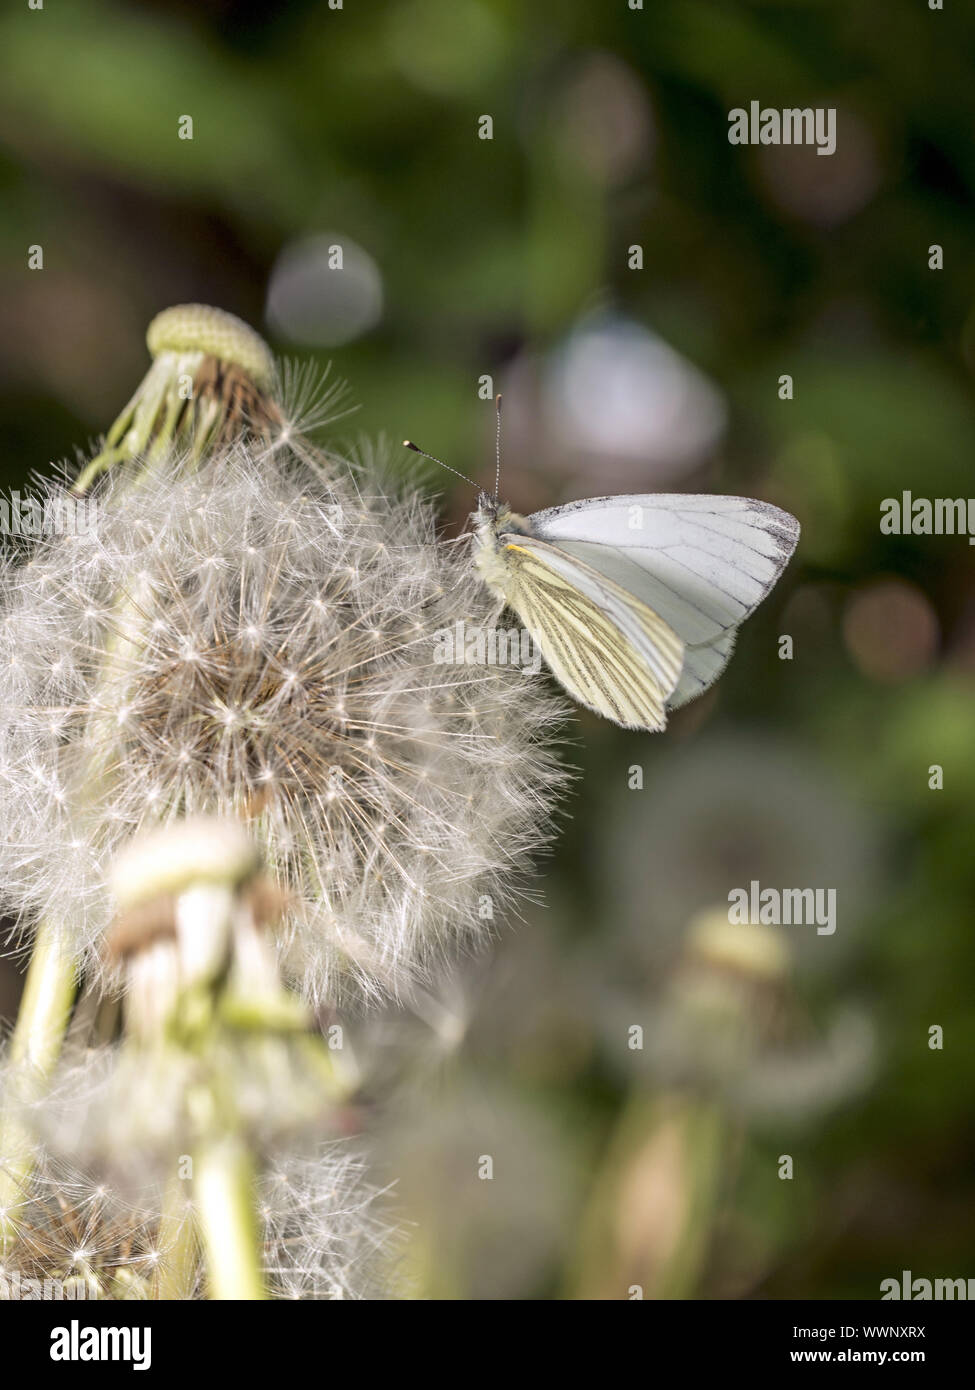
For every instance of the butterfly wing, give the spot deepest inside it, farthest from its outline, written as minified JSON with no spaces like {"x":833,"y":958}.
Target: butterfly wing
{"x":611,"y":651}
{"x":703,"y":665}
{"x":702,"y":563}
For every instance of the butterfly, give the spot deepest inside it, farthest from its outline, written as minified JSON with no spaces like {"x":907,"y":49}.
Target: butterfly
{"x":634,"y":601}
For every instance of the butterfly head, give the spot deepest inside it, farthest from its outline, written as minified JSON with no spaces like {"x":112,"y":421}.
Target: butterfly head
{"x":494,"y":519}
{"x":485,"y":521}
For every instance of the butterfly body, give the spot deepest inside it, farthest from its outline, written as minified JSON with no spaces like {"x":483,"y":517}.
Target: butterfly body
{"x":634,"y":601}
{"x":496,"y":526}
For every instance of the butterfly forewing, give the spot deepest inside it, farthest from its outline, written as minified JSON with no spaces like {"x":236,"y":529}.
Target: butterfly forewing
{"x":703,"y":563}
{"x":609,"y":649}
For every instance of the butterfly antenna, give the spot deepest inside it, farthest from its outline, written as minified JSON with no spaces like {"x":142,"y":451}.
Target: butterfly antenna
{"x":497,"y":449}
{"x":408,"y":444}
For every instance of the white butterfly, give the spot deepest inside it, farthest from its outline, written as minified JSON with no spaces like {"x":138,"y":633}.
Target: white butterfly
{"x":634,"y":601}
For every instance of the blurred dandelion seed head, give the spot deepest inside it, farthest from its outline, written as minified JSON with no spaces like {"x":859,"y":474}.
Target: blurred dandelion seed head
{"x":77,"y":1228}
{"x":253,"y":635}
{"x":328,"y":1230}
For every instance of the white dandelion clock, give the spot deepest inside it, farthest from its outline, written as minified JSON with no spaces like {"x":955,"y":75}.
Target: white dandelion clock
{"x":244,"y":635}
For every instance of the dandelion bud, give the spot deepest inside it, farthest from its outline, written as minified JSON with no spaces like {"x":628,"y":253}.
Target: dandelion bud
{"x":190,"y":930}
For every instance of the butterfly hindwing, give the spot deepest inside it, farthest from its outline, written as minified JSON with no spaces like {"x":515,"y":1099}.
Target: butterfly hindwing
{"x":609,"y":649}
{"x":702,"y":667}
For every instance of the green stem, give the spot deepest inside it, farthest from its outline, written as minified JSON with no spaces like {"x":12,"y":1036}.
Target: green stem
{"x":35,"y":1046}
{"x":223,"y":1175}
{"x":49,"y":993}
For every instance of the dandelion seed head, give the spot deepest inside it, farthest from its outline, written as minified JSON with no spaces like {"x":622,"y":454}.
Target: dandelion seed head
{"x":328,"y":1230}
{"x":263,"y":645}
{"x":70,"y":1222}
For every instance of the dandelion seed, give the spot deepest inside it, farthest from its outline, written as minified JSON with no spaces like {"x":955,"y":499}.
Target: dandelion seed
{"x":328,"y":1231}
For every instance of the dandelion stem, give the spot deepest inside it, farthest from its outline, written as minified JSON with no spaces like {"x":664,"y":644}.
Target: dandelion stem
{"x":224,"y":1185}
{"x":35,"y":1046}
{"x":49,"y":993}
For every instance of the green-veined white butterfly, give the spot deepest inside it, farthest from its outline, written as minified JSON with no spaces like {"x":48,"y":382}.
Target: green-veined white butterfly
{"x":634,"y":601}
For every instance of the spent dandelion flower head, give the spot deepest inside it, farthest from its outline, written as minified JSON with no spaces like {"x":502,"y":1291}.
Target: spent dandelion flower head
{"x":213,"y":380}
{"x":235,"y":667}
{"x":253,"y":633}
{"x":212,"y":1041}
